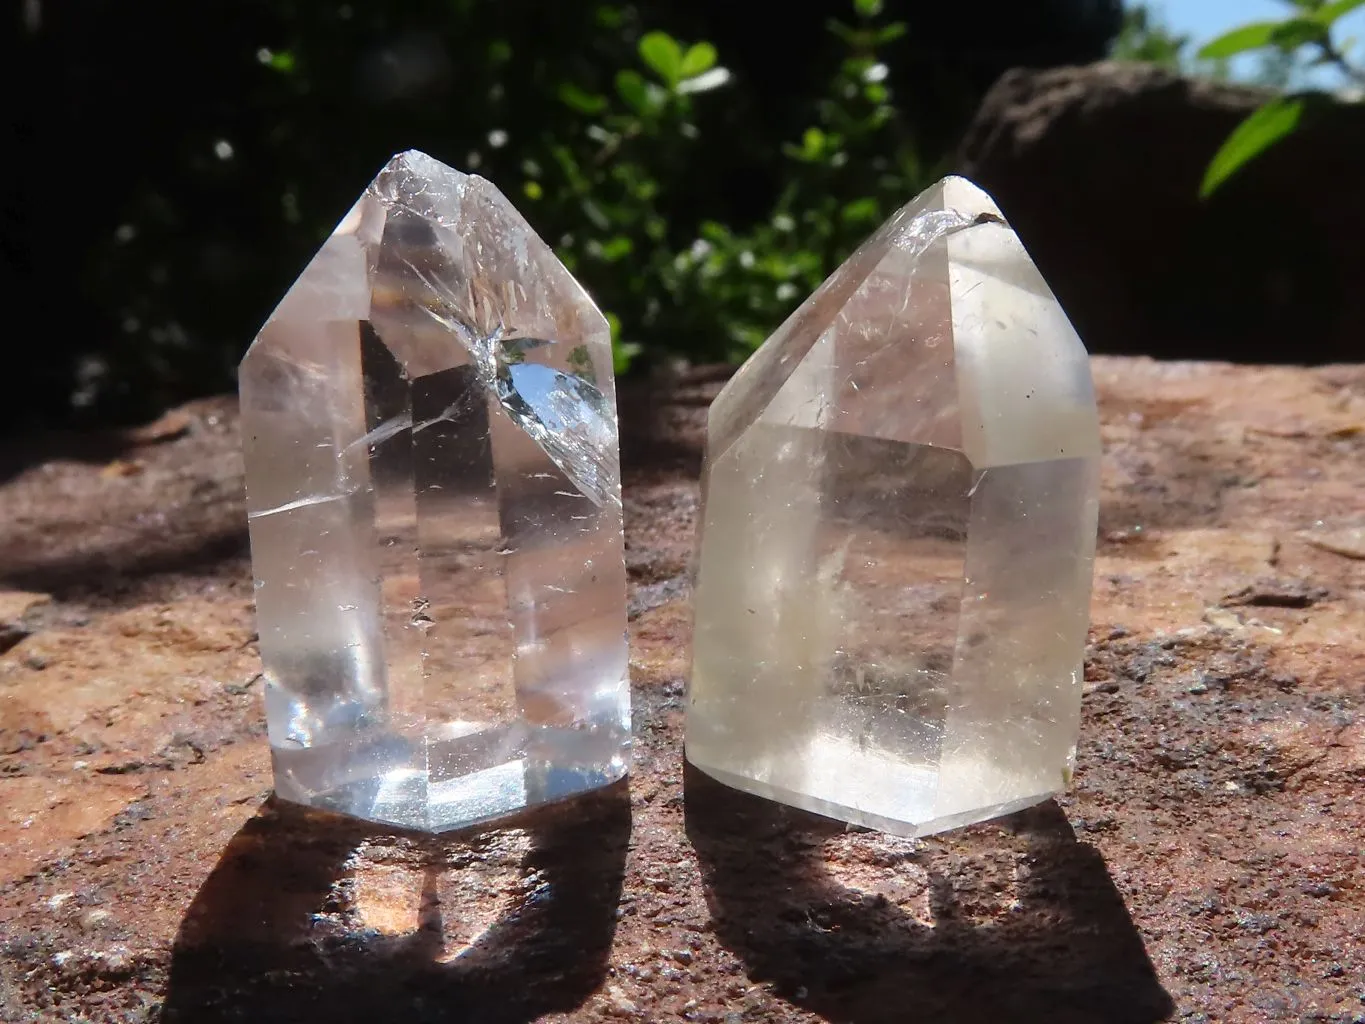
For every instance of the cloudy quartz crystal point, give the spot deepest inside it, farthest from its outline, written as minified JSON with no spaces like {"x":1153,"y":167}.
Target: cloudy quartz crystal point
{"x":898,"y":529}
{"x":434,"y":496}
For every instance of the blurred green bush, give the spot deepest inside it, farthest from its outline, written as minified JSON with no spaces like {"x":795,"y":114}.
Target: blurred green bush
{"x":602,"y":187}
{"x":699,"y":183}
{"x":611,"y":144}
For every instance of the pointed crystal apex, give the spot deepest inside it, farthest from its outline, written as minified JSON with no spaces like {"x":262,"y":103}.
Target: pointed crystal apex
{"x":433,"y":493}
{"x":897,"y":536}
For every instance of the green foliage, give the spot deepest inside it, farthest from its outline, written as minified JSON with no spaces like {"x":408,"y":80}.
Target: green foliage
{"x":607,"y":192}
{"x":1247,"y":37}
{"x":1146,"y":38}
{"x":1331,"y":12}
{"x":618,"y":142}
{"x":1282,"y":45}
{"x":1267,"y":125}
{"x":701,"y":172}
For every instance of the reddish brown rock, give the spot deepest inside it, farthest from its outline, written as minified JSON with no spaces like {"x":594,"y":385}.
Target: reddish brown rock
{"x":1206,"y":866}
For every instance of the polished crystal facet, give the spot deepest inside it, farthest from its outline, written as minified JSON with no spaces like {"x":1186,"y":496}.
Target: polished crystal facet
{"x":898,"y":529}
{"x":433,"y":488}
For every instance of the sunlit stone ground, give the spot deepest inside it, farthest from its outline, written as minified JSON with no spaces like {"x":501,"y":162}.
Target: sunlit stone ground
{"x":1207,"y":860}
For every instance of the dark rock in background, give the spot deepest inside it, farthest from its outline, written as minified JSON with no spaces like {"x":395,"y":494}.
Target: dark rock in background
{"x":1098,"y":168}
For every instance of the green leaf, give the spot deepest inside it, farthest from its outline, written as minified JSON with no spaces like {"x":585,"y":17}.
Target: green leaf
{"x":1297,"y":32}
{"x":283,"y":61}
{"x":662,"y":53}
{"x":860,"y":211}
{"x":632,"y":88}
{"x":868,"y":8}
{"x":812,"y":143}
{"x":623,"y":353}
{"x":1265,"y":126}
{"x":610,"y":17}
{"x":616,"y":249}
{"x":1247,"y":37}
{"x":698,"y":58}
{"x":582,"y":101}
{"x":714,"y":232}
{"x":889,"y":33}
{"x":1331,"y":12}
{"x":848,"y":36}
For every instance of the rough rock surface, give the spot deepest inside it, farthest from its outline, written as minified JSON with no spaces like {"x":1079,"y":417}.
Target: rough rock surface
{"x":1206,"y":866}
{"x":1098,"y":169}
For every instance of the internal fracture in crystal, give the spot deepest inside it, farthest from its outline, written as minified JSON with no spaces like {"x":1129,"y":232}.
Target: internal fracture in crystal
{"x":894,"y":565}
{"x":434,"y":500}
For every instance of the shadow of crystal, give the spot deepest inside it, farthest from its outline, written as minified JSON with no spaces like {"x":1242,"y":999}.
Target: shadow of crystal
{"x":1013,"y":921}
{"x":501,"y":924}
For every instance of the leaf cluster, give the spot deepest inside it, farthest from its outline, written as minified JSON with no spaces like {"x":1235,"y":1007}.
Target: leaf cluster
{"x":1307,"y":27}
{"x":713,"y":288}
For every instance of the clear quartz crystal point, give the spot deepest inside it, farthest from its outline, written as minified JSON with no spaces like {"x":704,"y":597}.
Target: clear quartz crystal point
{"x":898,"y":530}
{"x":434,"y":496}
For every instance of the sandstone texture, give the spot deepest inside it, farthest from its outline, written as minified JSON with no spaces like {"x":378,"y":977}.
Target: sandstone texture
{"x":1206,"y":865}
{"x":1098,"y":168}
